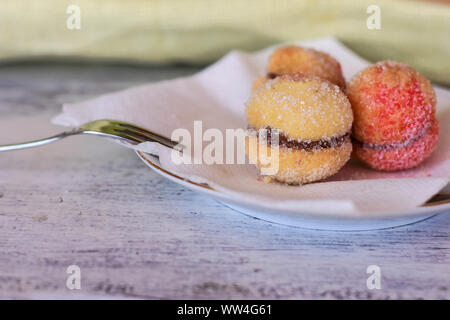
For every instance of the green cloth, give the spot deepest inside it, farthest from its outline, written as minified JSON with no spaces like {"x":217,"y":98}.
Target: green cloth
{"x":201,"y":31}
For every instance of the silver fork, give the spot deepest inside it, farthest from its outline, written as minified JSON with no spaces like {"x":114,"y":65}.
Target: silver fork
{"x":114,"y":129}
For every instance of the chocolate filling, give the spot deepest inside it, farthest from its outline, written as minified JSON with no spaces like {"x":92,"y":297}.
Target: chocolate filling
{"x":290,"y":143}
{"x":403,"y":144}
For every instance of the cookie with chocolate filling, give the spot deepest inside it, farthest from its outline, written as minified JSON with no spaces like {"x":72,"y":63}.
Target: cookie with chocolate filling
{"x":312,"y":118}
{"x":395,"y":126}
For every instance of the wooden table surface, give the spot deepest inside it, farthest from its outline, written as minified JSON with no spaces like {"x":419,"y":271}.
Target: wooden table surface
{"x":94,"y":204}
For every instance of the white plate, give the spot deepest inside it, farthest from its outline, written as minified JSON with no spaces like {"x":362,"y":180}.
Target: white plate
{"x":346,"y":203}
{"x":301,"y":218}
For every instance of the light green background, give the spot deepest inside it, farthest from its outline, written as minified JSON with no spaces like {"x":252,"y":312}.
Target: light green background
{"x":201,"y":31}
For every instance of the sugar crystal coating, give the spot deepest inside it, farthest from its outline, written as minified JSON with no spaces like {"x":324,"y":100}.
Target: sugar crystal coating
{"x":303,"y":107}
{"x":391,"y":103}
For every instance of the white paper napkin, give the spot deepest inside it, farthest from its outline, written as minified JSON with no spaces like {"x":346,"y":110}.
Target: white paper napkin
{"x":217,"y":97}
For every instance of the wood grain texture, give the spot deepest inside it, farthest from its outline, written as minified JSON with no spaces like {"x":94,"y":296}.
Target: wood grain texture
{"x":92,"y":203}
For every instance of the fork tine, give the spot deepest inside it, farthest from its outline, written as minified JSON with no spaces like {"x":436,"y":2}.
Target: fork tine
{"x":128,"y":131}
{"x":131,"y":135}
{"x":147,"y":135}
{"x":144,"y":132}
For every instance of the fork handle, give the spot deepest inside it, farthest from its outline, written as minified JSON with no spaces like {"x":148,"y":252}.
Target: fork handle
{"x":40,"y":142}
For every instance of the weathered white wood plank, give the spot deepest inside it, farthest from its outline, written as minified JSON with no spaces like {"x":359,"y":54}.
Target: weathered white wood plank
{"x":88,"y":202}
